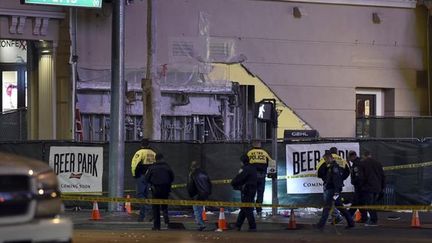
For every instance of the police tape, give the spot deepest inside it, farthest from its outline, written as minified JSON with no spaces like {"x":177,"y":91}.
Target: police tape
{"x":228,"y":181}
{"x":385,"y":168}
{"x":174,"y":186}
{"x":171,"y":202}
{"x":408,"y":166}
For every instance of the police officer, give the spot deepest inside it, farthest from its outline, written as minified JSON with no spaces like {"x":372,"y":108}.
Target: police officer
{"x":259,"y":158}
{"x":141,"y":161}
{"x":160,"y":177}
{"x":357,"y":178}
{"x":246,"y":181}
{"x":333,"y":176}
{"x":337,"y":217}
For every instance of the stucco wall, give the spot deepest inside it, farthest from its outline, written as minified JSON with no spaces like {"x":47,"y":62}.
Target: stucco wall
{"x":313,"y":63}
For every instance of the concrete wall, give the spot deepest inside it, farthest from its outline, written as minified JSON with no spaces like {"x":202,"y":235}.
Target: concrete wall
{"x":313,"y":63}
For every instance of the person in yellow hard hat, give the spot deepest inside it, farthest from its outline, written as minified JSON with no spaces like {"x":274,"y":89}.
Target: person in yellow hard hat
{"x":141,"y":161}
{"x":259,"y":158}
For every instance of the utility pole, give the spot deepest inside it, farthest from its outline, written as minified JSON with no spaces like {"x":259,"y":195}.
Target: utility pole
{"x":150,"y":87}
{"x":275,"y":199}
{"x":147,"y":123}
{"x":117,"y":127}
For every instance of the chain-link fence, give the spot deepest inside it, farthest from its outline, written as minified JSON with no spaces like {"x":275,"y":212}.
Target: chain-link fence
{"x":394,"y":127}
{"x":407,"y":165}
{"x":13,"y":125}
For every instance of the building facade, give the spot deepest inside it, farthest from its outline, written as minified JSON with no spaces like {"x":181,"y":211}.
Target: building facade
{"x":32,"y":80}
{"x":324,"y":62}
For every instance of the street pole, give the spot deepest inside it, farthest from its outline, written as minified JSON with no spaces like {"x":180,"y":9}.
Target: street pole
{"x":147,"y":123}
{"x":116,"y":143}
{"x":275,"y":199}
{"x":73,"y":61}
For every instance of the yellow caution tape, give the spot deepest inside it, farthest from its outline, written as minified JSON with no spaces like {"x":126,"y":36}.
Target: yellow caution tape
{"x":386,"y":168}
{"x":174,"y":186}
{"x":408,"y":166}
{"x":233,"y":204}
{"x":160,"y":201}
{"x":228,"y":181}
{"x":296,"y":176}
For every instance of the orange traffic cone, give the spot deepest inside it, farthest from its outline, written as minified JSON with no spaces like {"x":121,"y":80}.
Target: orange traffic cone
{"x":204,"y":215}
{"x":357,"y":216}
{"x":95,"y":213}
{"x":292,"y":223}
{"x":415,"y":221}
{"x":222,"y":224}
{"x":128,"y":207}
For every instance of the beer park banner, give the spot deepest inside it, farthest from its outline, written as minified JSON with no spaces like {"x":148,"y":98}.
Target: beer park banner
{"x":302,"y":161}
{"x":78,"y":169}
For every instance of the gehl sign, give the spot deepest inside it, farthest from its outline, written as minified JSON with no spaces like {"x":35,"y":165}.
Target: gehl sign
{"x":300,"y":134}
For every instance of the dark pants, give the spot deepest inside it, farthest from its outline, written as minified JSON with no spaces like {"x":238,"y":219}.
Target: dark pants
{"x":160,"y":192}
{"x":260,"y":190}
{"x":247,"y":195}
{"x":142,"y":192}
{"x":371,"y":198}
{"x":358,"y":201}
{"x":328,"y":203}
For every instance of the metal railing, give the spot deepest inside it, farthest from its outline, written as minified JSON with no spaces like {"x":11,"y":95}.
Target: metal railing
{"x":394,"y":127}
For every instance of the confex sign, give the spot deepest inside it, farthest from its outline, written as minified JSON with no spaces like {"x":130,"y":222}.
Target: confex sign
{"x":70,"y":3}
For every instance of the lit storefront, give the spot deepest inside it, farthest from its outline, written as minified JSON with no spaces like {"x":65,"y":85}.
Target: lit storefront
{"x":28,"y":52}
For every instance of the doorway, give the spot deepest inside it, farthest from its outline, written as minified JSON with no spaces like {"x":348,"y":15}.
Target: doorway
{"x":369,"y":107}
{"x":13,"y":89}
{"x":365,"y":105}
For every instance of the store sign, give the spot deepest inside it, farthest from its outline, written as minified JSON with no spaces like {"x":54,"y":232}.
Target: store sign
{"x":71,"y":3}
{"x":300,"y":134}
{"x":79,"y":169}
{"x":13,"y":51}
{"x":302,"y":161}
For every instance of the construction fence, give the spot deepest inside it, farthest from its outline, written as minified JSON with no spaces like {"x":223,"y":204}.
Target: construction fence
{"x":407,"y":163}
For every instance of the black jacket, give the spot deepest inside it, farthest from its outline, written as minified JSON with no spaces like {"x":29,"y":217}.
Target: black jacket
{"x":199,"y":184}
{"x":374,"y":178}
{"x":333,"y":176}
{"x":159,"y":174}
{"x":246,"y":180}
{"x":357,"y":176}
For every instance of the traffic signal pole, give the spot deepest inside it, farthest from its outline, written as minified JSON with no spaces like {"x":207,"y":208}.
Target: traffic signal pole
{"x":275,"y":199}
{"x":273,"y":120}
{"x":117,"y":127}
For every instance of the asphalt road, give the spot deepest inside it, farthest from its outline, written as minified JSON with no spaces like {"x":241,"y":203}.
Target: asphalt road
{"x":330,"y":234}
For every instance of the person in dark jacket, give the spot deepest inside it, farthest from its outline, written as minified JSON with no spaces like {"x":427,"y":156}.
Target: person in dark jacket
{"x":372,"y":187}
{"x":160,"y":177}
{"x":140,"y":163}
{"x":246,"y":181}
{"x":357,"y":178}
{"x":333,"y":176}
{"x":199,"y":187}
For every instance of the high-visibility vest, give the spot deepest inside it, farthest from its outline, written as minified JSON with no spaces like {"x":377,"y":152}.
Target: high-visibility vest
{"x":145,"y":156}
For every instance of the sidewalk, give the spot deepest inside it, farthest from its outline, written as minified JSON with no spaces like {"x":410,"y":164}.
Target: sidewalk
{"x":184,"y":220}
